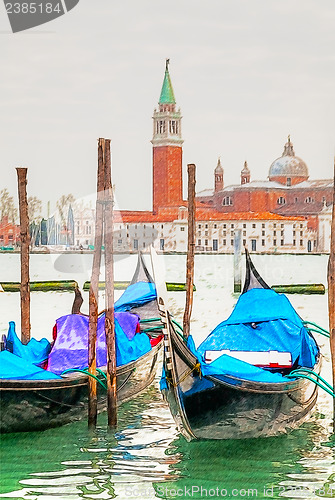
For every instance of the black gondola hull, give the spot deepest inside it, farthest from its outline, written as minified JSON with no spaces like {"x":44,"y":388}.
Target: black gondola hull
{"x":33,"y":405}
{"x":211,"y":407}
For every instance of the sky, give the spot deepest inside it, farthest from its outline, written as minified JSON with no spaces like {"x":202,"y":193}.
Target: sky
{"x":246,"y":73}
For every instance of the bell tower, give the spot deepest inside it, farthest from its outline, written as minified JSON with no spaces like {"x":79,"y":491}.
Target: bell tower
{"x":167,"y":149}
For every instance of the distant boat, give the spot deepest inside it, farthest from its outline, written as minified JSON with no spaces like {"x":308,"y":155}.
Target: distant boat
{"x":37,"y":403}
{"x":235,"y":385}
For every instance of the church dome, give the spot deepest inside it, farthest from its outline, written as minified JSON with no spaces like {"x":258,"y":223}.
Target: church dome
{"x":288,"y":168}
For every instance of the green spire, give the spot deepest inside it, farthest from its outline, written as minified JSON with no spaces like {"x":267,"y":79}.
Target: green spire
{"x":167,"y":95}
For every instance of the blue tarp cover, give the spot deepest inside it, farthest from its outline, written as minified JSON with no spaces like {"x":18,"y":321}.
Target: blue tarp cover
{"x":136,"y":295}
{"x":276,"y":326}
{"x":35,"y":351}
{"x":15,"y":368}
{"x":70,"y":349}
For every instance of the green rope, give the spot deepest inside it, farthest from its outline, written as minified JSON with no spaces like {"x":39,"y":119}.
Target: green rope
{"x":311,"y":372}
{"x":148,"y":320}
{"x":152,"y":329}
{"x":301,"y":373}
{"x":85,"y":372}
{"x":319,"y":329}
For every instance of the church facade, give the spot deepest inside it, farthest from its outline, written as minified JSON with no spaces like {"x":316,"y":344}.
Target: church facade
{"x":278,"y":215}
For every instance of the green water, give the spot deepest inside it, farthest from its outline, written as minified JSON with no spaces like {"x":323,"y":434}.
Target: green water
{"x":147,"y":458}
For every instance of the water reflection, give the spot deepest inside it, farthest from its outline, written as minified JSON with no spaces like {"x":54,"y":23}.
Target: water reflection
{"x":147,"y":459}
{"x":72,"y":464}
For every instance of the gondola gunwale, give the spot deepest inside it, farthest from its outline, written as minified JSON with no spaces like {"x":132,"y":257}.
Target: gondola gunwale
{"x":244,"y":385}
{"x":73,"y":379}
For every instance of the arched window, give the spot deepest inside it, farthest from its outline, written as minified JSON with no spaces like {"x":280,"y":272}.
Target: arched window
{"x":309,"y":199}
{"x":227,"y":200}
{"x":281,"y":200}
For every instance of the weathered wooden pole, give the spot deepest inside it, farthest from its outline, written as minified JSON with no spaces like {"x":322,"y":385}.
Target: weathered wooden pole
{"x":331,"y":290}
{"x":237,"y":260}
{"x":109,"y":293}
{"x":190,"y":249}
{"x":25,"y":242}
{"x":94,"y":290}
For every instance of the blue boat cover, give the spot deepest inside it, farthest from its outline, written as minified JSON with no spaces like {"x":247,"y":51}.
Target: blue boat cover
{"x":70,"y":349}
{"x":262,"y":320}
{"x":15,"y":368}
{"x":36,"y":351}
{"x":136,"y":295}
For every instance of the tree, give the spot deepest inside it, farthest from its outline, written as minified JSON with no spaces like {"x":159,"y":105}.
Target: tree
{"x":34,"y":209}
{"x":35,"y":217}
{"x":62,"y":206}
{"x":7,"y":207}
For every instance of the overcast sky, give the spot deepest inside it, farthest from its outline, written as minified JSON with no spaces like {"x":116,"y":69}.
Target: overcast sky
{"x":246,"y":73}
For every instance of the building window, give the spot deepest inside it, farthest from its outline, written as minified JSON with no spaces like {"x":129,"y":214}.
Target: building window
{"x":274,"y":233}
{"x":135,"y":244}
{"x":294,"y":243}
{"x":173,"y":128}
{"x":232,"y":226}
{"x":301,"y":243}
{"x":288,"y":181}
{"x":274,"y":243}
{"x":301,"y":233}
{"x":244,"y":242}
{"x":274,"y":224}
{"x":143,"y":244}
{"x":199,"y":243}
{"x":224,"y":233}
{"x":309,"y":199}
{"x":199,"y":233}
{"x":206,"y":233}
{"x":224,"y":226}
{"x":224,"y":243}
{"x":232,"y":242}
{"x":215,"y":226}
{"x":282,"y":233}
{"x":263,"y":226}
{"x":295,"y":200}
{"x":231,"y":233}
{"x":215,"y":245}
{"x":282,"y":242}
{"x":263,"y":243}
{"x":293,"y":233}
{"x":244,"y":226}
{"x":244,"y":233}
{"x":281,"y":200}
{"x":206,"y":243}
{"x":206,"y":226}
{"x":161,"y":244}
{"x":227,"y":201}
{"x":199,"y":226}
{"x":263,"y":233}
{"x":119,"y":242}
{"x":301,"y":225}
{"x":182,"y":228}
{"x":254,"y":226}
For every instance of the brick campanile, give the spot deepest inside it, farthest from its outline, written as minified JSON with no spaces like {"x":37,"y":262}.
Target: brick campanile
{"x":167,"y":149}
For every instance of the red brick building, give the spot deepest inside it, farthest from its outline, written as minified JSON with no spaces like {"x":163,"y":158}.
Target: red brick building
{"x":9,"y":233}
{"x":288,"y":190}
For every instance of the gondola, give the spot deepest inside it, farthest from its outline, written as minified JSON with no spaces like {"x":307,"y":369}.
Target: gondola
{"x":237,"y":383}
{"x":30,"y":405}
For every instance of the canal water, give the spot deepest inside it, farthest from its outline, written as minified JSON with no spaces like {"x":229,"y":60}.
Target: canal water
{"x":147,"y":458}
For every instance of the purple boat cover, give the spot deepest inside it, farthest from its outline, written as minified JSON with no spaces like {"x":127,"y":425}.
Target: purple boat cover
{"x":70,"y":349}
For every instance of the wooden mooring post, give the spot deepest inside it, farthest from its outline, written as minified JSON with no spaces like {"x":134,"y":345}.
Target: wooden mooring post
{"x":25,"y":241}
{"x":331,"y":291}
{"x":237,"y":260}
{"x":94,"y":291}
{"x":190,"y":249}
{"x":109,"y":293}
